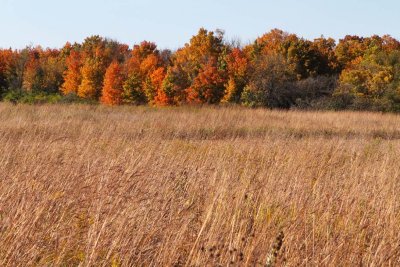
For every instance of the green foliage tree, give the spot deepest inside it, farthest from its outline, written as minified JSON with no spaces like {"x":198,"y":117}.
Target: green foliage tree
{"x":133,"y":91}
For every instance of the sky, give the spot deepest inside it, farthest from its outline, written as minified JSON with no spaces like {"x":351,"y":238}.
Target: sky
{"x":171,"y":23}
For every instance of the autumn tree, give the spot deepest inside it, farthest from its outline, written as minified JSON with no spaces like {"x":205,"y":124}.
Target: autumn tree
{"x":144,"y":69}
{"x":113,"y":85}
{"x":72,"y":74}
{"x":52,"y":65}
{"x":93,"y":68}
{"x":390,"y":44}
{"x":207,"y":86}
{"x":192,"y":65}
{"x":272,"y":84}
{"x":133,"y":90}
{"x":273,"y":42}
{"x":6,"y":60}
{"x":170,"y":92}
{"x":97,"y":54}
{"x":349,"y":49}
{"x":328,"y":62}
{"x":153,"y":84}
{"x":237,"y":68}
{"x":92,"y":79}
{"x":33,"y":74}
{"x":17,"y":67}
{"x":305,"y":58}
{"x":371,"y":82}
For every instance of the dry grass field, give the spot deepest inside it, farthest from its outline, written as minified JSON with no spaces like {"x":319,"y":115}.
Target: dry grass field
{"x":213,"y":186}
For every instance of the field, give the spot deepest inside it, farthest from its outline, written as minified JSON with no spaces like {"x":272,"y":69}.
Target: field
{"x":212,"y":186}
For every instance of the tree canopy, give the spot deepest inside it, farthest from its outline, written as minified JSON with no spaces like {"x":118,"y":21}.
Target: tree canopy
{"x":277,"y":70}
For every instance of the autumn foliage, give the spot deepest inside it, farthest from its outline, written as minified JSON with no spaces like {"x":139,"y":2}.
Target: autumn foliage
{"x":208,"y":86}
{"x":113,"y":85}
{"x":355,"y":73}
{"x":237,"y":71}
{"x":72,"y":74}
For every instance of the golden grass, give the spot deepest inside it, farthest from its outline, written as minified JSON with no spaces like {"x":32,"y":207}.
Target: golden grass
{"x":126,"y":186}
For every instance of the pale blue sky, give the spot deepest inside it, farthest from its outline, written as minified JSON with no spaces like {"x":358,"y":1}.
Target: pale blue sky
{"x":170,"y":24}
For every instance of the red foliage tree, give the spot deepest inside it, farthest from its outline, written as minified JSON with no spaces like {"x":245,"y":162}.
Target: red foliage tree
{"x":237,"y":64}
{"x":207,"y":87}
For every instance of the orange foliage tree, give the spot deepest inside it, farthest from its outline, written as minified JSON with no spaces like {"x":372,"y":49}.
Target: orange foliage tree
{"x":192,"y":66}
{"x":274,"y":42}
{"x":170,"y":91}
{"x":144,"y":69}
{"x":328,"y":61}
{"x":92,"y":79}
{"x":238,"y":65}
{"x":349,"y":49}
{"x":6,"y":57}
{"x":43,"y":71}
{"x":153,"y":86}
{"x":208,"y":86}
{"x":113,"y":85}
{"x":97,"y":53}
{"x":33,"y":75}
{"x":72,"y":75}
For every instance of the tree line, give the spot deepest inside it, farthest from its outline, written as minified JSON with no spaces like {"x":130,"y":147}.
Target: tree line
{"x":277,"y":70}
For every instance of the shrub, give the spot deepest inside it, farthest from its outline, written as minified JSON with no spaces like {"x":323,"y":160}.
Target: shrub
{"x":19,"y":96}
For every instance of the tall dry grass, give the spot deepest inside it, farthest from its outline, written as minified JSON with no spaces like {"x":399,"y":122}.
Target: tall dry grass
{"x":97,"y":186}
